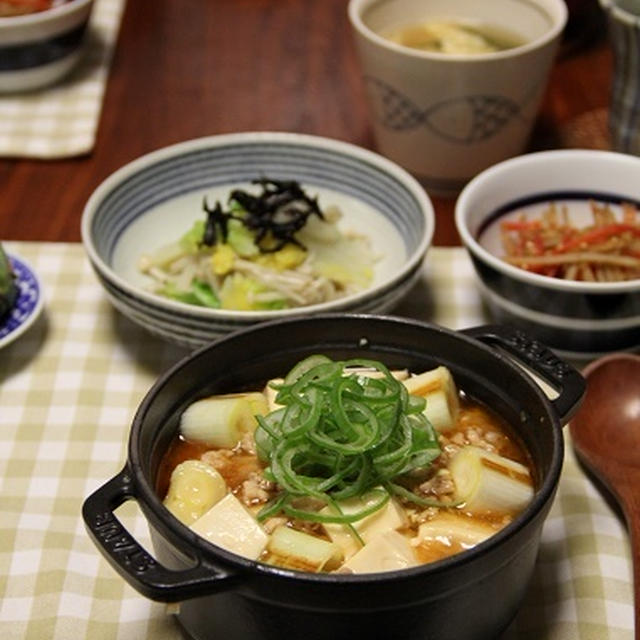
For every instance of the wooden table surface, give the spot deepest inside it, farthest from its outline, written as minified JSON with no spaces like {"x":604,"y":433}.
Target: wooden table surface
{"x":192,"y":68}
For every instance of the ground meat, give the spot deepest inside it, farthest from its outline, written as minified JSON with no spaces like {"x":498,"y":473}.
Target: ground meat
{"x":478,"y":438}
{"x":312,"y":528}
{"x":236,"y":466}
{"x":471,"y":433}
{"x":217,"y":458}
{"x":256,"y":489}
{"x":417,"y":517}
{"x":271,"y":524}
{"x":440,"y":486}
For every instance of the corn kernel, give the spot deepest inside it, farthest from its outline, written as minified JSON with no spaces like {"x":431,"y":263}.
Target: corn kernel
{"x":222,"y":259}
{"x":289,"y":257}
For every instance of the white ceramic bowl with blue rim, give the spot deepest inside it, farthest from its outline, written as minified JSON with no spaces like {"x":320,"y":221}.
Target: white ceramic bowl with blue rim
{"x":579,"y":319}
{"x":154,"y":199}
{"x":38,"y":49}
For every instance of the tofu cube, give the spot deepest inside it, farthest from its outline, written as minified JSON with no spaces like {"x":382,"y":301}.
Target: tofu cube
{"x":230,"y":525}
{"x":390,"y":517}
{"x":388,"y":551}
{"x":294,"y":549}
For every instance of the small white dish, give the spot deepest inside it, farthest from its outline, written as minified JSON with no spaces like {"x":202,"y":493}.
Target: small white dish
{"x":578,"y":319}
{"x":28,"y":305}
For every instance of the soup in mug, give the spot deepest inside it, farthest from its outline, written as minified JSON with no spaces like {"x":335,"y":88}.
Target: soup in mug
{"x":453,"y":37}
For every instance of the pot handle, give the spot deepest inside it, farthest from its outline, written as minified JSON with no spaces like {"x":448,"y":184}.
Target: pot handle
{"x":564,"y":378}
{"x":132,"y":561}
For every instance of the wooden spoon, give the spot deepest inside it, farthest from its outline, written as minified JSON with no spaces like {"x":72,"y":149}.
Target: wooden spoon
{"x":606,"y":437}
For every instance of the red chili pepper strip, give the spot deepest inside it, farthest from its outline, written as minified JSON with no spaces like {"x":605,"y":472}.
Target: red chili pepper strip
{"x":538,"y":243}
{"x":597,"y":235}
{"x":520,"y":225}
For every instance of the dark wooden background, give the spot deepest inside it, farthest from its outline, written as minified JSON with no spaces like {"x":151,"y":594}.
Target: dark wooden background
{"x":189,"y":68}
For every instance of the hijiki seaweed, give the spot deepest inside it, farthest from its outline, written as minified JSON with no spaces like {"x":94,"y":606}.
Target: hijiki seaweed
{"x":274,"y":215}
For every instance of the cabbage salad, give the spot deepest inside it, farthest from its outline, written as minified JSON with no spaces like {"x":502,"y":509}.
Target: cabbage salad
{"x":271,"y":250}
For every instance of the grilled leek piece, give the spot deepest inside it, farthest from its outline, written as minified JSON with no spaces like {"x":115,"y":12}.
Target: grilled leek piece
{"x":295,"y":549}
{"x":439,"y":389}
{"x":221,"y":421}
{"x":448,"y":528}
{"x":486,"y":481}
{"x":194,"y":487}
{"x":271,"y":393}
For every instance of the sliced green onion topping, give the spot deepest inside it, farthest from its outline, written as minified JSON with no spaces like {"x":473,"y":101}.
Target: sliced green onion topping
{"x":341,"y":433}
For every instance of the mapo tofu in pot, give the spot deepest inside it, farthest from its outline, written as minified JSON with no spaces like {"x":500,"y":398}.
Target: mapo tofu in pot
{"x":347,"y":467}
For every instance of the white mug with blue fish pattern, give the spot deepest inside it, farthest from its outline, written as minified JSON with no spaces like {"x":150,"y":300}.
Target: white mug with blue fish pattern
{"x":447,"y":116}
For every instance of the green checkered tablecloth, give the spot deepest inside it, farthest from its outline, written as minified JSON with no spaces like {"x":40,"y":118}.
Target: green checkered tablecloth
{"x":62,"y":120}
{"x":68,"y":390}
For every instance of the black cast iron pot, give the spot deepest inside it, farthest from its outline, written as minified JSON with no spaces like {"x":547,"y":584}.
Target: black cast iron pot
{"x":471,"y":595}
